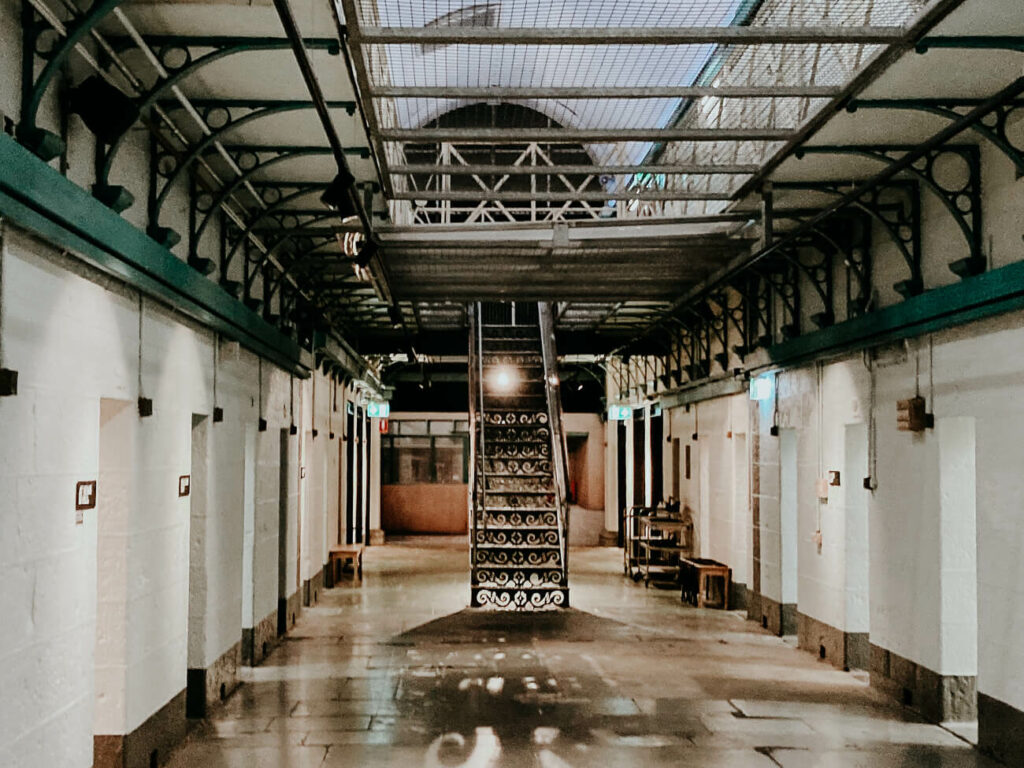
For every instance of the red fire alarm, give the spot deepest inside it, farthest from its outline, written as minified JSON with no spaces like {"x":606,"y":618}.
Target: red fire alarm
{"x":383,"y":426}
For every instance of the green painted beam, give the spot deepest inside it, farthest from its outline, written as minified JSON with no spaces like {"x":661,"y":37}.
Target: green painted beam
{"x":703,"y":390}
{"x":40,"y":199}
{"x":974,"y":298}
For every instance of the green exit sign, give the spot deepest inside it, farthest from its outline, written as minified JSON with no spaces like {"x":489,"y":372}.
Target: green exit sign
{"x":620,"y":413}
{"x":378,"y":409}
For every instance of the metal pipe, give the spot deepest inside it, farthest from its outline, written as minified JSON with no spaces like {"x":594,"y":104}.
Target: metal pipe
{"x":575,"y":36}
{"x":579,"y":135}
{"x":603,"y":92}
{"x":475,"y":196}
{"x":695,"y":169}
{"x":291,"y":29}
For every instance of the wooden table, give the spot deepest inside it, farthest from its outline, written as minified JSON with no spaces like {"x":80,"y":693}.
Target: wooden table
{"x":698,"y":574}
{"x":345,"y":553}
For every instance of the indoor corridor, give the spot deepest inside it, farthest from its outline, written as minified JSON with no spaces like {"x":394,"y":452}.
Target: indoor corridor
{"x":395,"y":671}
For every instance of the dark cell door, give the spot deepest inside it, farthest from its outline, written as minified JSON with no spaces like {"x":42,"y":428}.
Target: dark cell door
{"x":621,"y":467}
{"x":359,"y":479}
{"x":639,"y":456}
{"x":676,"y":459}
{"x":657,"y":462}
{"x":350,"y":476}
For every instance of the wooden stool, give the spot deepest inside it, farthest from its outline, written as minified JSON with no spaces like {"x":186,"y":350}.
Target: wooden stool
{"x":698,"y":575}
{"x":345,"y":553}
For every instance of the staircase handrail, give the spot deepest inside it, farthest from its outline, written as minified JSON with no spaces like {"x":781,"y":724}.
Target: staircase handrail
{"x":559,"y":462}
{"x":475,"y":429}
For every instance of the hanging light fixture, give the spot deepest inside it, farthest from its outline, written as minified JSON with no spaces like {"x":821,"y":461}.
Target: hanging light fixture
{"x":338,"y":195}
{"x":366,"y":254}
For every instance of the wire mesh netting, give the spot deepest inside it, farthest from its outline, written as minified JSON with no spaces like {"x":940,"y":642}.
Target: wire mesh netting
{"x":642,"y":13}
{"x":599,"y":85}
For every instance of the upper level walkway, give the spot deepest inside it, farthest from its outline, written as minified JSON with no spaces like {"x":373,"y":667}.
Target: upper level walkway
{"x":396,"y":672}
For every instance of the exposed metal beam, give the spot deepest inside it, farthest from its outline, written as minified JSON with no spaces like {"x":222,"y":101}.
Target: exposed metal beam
{"x":873,"y":69}
{"x":739,"y":35}
{"x":348,"y":106}
{"x":362,"y":152}
{"x":377,"y":268}
{"x":38,"y":198}
{"x":560,"y":197}
{"x":429,"y":231}
{"x":329,"y":44}
{"x":950,"y":132}
{"x":316,"y":94}
{"x":580,"y":136}
{"x":346,"y":19}
{"x":604,"y":92}
{"x":694,"y":169}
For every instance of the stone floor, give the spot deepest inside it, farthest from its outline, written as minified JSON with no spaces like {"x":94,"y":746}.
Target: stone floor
{"x":396,"y":672}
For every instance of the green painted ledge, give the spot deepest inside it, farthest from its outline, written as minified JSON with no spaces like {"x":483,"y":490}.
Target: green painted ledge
{"x":41,"y":200}
{"x":985,"y":295}
{"x":976,"y":298}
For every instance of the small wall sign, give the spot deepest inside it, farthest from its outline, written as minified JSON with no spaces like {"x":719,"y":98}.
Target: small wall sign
{"x":85,"y":495}
{"x":302,"y":472}
{"x":184,"y":485}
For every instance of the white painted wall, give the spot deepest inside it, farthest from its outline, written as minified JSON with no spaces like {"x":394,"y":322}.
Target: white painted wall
{"x":717,"y":491}
{"x":73,"y":336}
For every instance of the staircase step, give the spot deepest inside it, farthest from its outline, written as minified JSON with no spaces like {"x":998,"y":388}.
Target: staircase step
{"x":519,"y":474}
{"x":524,"y":599}
{"x":500,"y":510}
{"x":520,"y":441}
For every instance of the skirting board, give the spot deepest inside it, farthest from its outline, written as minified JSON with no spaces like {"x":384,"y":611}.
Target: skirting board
{"x":845,"y":650}
{"x":156,"y":737}
{"x":259,"y":641}
{"x":210,"y":686}
{"x":939,"y":698}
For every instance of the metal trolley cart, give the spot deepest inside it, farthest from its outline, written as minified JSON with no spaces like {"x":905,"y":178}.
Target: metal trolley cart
{"x":631,"y":551}
{"x":664,"y":540}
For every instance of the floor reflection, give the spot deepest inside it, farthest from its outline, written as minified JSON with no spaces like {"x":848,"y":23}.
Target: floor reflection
{"x":395,"y":672}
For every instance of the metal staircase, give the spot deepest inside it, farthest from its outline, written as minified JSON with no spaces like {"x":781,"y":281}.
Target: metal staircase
{"x":518,"y":478}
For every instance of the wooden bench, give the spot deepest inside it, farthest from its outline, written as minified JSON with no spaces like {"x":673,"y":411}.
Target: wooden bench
{"x":340,"y":554}
{"x":699,"y":575}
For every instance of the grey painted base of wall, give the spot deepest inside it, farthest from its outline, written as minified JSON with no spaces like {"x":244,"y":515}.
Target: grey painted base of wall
{"x":1000,"y":730}
{"x":845,"y":650}
{"x":288,"y":611}
{"x":211,"y":686}
{"x":777,"y":618}
{"x":737,"y":596}
{"x":160,"y":733}
{"x":259,"y":641}
{"x":311,"y":589}
{"x":940,"y":698}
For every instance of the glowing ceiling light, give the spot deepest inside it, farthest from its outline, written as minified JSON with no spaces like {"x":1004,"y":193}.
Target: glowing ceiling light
{"x":505,"y":379}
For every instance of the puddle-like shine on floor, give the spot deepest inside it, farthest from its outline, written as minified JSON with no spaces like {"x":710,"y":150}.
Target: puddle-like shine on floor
{"x":396,"y":672}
